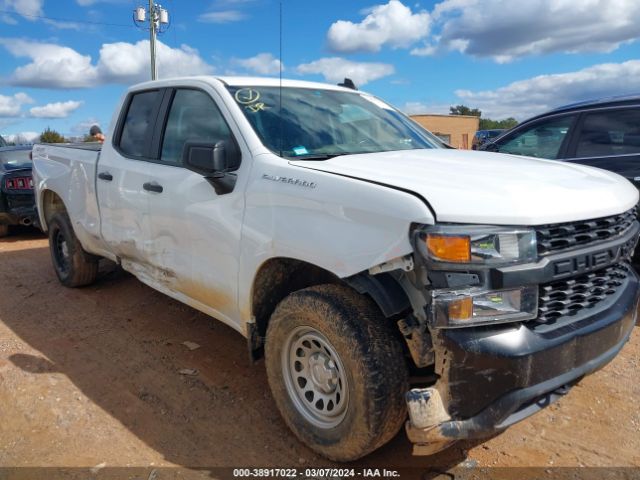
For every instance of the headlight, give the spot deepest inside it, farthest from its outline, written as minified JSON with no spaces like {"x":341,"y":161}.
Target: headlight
{"x":478,"y":244}
{"x":465,"y":308}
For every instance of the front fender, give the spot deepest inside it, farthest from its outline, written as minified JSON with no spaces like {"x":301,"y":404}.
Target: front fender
{"x":340,"y":224}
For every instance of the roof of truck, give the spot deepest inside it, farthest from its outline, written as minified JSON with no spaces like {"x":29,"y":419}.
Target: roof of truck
{"x":251,"y":81}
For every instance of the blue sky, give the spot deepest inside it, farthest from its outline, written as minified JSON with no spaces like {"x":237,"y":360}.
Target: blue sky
{"x":65,"y":63}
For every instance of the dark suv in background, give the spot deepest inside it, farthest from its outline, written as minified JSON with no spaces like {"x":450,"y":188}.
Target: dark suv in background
{"x":601,"y":133}
{"x":483,"y":136}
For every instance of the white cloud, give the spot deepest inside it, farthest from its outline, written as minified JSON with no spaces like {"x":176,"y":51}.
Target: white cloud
{"x":22,"y":137}
{"x":335,"y":69}
{"x":538,"y":94}
{"x":88,"y":3}
{"x":8,"y":19}
{"x":55,"y":110}
{"x":420,"y":108}
{"x":23,"y":7}
{"x":11,"y":105}
{"x":262,"y":64}
{"x":505,"y":29}
{"x":391,"y":24}
{"x":129,"y":63}
{"x":52,"y":66}
{"x":222,"y":16}
{"x":56,"y":66}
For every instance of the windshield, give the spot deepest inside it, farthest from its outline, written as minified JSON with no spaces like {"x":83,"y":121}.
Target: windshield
{"x":2,"y":142}
{"x":13,"y":159}
{"x":320,"y":124}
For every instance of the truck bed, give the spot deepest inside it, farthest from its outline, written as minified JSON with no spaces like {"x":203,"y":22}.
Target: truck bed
{"x":70,"y":170}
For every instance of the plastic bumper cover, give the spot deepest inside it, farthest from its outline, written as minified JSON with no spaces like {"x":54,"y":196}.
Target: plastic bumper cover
{"x":492,"y":378}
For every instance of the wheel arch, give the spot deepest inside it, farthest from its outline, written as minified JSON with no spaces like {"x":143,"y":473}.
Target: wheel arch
{"x":278,"y":277}
{"x":50,"y":204}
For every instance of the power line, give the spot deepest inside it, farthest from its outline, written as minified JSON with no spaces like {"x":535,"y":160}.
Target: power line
{"x":42,"y":17}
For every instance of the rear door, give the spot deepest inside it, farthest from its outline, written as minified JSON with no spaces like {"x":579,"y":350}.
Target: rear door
{"x":123,"y":180}
{"x":609,"y":139}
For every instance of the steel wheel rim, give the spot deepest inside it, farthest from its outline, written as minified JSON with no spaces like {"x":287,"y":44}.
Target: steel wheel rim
{"x":61,"y":250}
{"x":315,"y":377}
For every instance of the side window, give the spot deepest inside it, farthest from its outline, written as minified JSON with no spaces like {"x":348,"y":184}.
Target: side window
{"x":542,"y":140}
{"x":605,"y":134}
{"x":194,"y":117}
{"x":137,"y":123}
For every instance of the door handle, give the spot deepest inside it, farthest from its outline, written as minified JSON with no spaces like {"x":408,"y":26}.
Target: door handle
{"x":106,"y":176}
{"x":153,"y":187}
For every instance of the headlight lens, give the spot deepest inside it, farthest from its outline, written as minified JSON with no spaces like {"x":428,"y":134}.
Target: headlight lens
{"x":465,"y":308}
{"x":479,"y":245}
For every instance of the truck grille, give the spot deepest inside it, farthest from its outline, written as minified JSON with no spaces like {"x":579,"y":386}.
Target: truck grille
{"x":564,"y":236}
{"x":570,"y":297}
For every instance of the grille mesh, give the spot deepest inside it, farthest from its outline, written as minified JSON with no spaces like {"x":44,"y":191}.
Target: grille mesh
{"x":569,"y":297}
{"x":564,"y":236}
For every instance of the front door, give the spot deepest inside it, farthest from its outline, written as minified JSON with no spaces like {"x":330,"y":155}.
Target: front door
{"x":195,"y":233}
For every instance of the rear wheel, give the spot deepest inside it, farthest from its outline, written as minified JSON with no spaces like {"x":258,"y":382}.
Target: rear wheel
{"x":4,"y":230}
{"x":336,"y":370}
{"x":74,"y":267}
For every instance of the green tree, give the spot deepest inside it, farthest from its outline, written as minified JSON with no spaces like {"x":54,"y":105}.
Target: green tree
{"x":464,"y":110}
{"x":485,"y":123}
{"x":488,"y":124}
{"x":51,"y":136}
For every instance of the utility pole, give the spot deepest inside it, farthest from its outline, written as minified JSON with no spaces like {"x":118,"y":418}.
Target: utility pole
{"x":158,"y":19}
{"x":152,"y":39}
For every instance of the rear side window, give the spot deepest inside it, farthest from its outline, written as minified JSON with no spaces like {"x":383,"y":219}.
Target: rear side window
{"x":542,"y":140}
{"x":194,"y":117}
{"x":138,"y":122}
{"x":605,"y":134}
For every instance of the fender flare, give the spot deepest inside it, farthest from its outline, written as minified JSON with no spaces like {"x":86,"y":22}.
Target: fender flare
{"x":384,"y":289}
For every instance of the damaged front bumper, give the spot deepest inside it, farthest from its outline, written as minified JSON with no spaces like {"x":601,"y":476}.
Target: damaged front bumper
{"x":492,"y":377}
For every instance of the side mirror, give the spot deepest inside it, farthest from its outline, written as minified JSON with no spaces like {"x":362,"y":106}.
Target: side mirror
{"x":208,"y":158}
{"x":490,"y":147}
{"x":216,"y":162}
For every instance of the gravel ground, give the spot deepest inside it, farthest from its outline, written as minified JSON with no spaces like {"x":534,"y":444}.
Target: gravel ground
{"x":92,"y":377}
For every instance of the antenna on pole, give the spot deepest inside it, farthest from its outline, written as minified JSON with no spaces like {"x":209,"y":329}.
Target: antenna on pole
{"x":280,"y":73}
{"x":158,"y":18}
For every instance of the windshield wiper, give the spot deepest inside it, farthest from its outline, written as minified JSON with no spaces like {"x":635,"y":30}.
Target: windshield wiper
{"x":318,"y":156}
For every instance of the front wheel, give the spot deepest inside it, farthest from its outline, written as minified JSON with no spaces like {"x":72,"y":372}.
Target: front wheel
{"x":336,"y":370}
{"x":74,"y":267}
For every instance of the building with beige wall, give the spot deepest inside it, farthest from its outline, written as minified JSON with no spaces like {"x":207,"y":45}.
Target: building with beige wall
{"x":456,"y":130}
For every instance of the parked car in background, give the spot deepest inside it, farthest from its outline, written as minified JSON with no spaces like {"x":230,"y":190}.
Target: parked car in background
{"x":17,"y":203}
{"x":483,"y":136}
{"x":601,"y":133}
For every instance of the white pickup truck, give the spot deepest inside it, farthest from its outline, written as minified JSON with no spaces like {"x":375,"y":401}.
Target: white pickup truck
{"x":387,"y":280}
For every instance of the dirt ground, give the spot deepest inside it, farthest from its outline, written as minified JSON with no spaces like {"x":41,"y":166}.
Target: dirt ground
{"x":92,"y":377}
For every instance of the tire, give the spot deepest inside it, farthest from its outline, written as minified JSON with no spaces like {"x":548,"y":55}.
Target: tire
{"x":362,"y":391}
{"x":74,"y":266}
{"x":4,"y":230}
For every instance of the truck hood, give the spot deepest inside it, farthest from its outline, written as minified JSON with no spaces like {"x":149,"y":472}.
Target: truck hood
{"x":489,"y":188}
